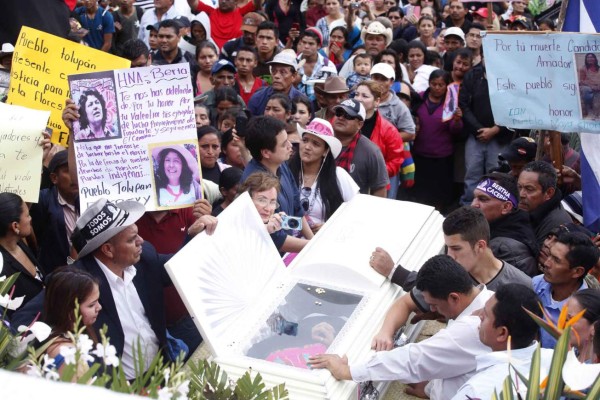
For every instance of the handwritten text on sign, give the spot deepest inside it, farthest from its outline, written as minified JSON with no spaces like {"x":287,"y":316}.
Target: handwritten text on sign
{"x":41,"y":64}
{"x":544,"y":81}
{"x":141,"y":107}
{"x":20,"y":150}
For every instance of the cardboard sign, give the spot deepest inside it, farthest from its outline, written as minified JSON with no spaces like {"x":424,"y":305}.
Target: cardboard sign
{"x":544,"y":81}
{"x":20,"y":150}
{"x":41,"y":64}
{"x":136,"y":137}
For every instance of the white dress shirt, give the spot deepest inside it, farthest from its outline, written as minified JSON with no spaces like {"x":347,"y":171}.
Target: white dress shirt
{"x":447,"y":359}
{"x":492,"y":370}
{"x":133,"y":319}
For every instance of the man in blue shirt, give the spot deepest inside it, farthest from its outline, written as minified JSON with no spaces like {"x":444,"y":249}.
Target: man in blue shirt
{"x":572,"y":255}
{"x":267,"y":141}
{"x":99,"y":22}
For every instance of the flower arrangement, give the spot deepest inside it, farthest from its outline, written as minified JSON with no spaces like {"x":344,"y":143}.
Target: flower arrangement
{"x":99,"y":365}
{"x":567,"y":378}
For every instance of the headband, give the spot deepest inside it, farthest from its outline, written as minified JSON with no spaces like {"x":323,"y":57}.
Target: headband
{"x":497,"y":191}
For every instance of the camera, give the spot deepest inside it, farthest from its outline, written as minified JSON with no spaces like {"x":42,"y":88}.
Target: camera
{"x":291,"y":223}
{"x":355,"y":6}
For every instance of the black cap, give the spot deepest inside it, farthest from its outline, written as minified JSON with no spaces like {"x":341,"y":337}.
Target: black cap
{"x":153,"y":27}
{"x":60,"y":158}
{"x":183,"y":21}
{"x":520,"y":149}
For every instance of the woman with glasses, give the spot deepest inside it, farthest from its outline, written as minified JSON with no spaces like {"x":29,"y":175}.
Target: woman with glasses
{"x":323,"y":186}
{"x":263,"y":188}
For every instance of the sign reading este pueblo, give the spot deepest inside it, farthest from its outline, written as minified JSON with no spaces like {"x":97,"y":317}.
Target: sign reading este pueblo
{"x":545,"y":80}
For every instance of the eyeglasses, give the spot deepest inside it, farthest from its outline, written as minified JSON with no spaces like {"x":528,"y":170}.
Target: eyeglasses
{"x":305,"y":193}
{"x":343,"y":114}
{"x":264,"y":202}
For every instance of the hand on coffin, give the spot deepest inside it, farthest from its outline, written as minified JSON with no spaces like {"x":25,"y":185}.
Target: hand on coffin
{"x":338,"y":366}
{"x":323,"y":333}
{"x":202,"y":207}
{"x":383,"y":341}
{"x":70,"y":113}
{"x":206,"y":223}
{"x":381,"y":261}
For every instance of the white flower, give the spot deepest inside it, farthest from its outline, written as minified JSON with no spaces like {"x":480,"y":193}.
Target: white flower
{"x":167,"y":374}
{"x":49,"y":368}
{"x":40,"y":331}
{"x":164,"y":394}
{"x":2,"y":278}
{"x":11,"y":304}
{"x":68,"y":353}
{"x":578,"y":376}
{"x":184,"y":388}
{"x":108,"y":354}
{"x":33,"y":370}
{"x":85,"y":345}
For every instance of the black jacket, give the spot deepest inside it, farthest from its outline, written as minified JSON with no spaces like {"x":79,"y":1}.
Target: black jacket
{"x":25,"y":285}
{"x":512,"y":239}
{"x":474,"y":100}
{"x":548,"y":216}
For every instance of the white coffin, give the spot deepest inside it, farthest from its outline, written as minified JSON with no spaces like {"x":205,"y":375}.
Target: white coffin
{"x":234,"y":281}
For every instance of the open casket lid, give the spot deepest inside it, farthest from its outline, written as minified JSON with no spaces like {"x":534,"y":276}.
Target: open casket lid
{"x":227,"y":279}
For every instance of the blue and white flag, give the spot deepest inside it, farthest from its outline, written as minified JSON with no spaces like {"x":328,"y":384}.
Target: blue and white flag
{"x":584,"y":16}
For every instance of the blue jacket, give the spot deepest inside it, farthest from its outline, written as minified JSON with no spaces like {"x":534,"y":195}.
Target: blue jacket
{"x":258,"y":101}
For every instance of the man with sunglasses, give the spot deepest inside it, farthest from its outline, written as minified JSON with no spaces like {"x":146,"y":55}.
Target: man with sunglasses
{"x":359,"y":156}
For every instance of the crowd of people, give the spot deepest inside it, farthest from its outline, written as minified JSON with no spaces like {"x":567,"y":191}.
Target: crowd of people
{"x":304,"y":105}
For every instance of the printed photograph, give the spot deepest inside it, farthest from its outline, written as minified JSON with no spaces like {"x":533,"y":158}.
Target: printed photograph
{"x":98,"y":110}
{"x":588,"y":81}
{"x":176,"y":173}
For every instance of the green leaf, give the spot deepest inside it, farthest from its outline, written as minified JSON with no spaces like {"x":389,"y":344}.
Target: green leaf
{"x":594,"y":392}
{"x":555,"y":384}
{"x":8,"y":283}
{"x":543,"y":324}
{"x":533,"y":386}
{"x":85,"y":378}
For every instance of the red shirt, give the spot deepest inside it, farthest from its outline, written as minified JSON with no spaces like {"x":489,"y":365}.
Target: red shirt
{"x":258,"y":83}
{"x":167,"y":236}
{"x":225,"y":26}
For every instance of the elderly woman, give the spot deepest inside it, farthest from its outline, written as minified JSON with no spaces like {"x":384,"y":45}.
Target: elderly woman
{"x":323,"y":186}
{"x":176,"y":177}
{"x":263,"y":188}
{"x":92,"y":123}
{"x":15,"y":225}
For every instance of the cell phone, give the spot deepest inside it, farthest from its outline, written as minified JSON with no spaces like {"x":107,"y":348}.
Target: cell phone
{"x":296,"y":26}
{"x":355,"y":6}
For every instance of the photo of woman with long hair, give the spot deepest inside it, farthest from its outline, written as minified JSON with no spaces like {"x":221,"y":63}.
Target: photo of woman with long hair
{"x":176,"y":176}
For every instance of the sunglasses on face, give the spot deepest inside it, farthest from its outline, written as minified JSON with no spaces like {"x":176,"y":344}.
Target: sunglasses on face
{"x":343,"y":114}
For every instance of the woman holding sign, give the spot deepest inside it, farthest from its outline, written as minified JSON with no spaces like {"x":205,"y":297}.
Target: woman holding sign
{"x":176,"y":176}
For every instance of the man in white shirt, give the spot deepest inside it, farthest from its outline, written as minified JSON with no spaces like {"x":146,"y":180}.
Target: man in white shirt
{"x":163,"y":10}
{"x":502,"y":318}
{"x":447,"y":359}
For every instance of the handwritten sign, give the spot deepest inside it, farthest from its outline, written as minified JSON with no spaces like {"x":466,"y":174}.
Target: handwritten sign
{"x":136,"y":136}
{"x":20,"y":150}
{"x":544,"y":81}
{"x":41,"y":64}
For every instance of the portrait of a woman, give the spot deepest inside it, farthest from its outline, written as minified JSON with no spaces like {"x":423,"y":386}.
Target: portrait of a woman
{"x":93,"y":120}
{"x":176,"y":176}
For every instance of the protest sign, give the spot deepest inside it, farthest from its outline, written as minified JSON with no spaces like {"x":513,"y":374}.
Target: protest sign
{"x":20,"y":150}
{"x":41,"y":64}
{"x":544,"y":81}
{"x":136,"y":136}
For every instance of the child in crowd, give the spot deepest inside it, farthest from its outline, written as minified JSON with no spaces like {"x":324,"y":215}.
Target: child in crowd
{"x":362,"y":70}
{"x":226,"y":120}
{"x":228,"y":186}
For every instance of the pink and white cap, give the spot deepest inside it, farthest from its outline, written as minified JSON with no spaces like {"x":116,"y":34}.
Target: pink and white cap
{"x":323,"y":130}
